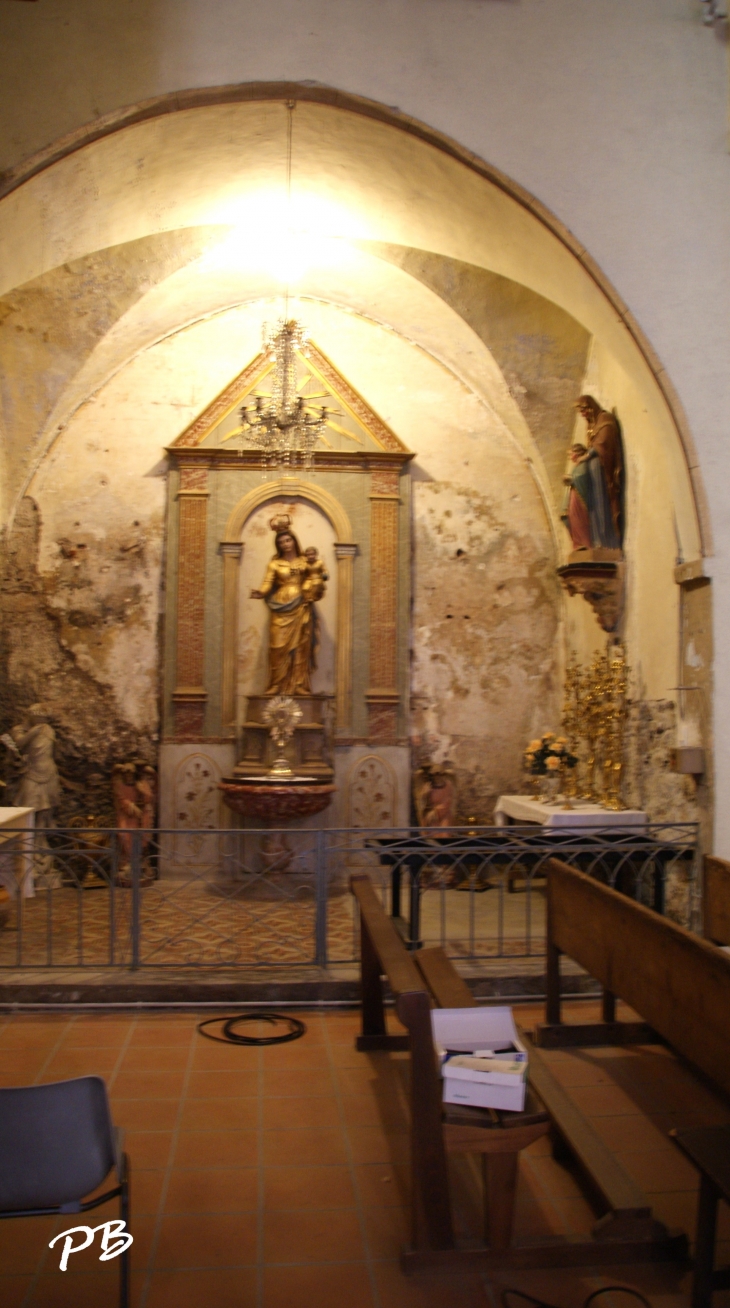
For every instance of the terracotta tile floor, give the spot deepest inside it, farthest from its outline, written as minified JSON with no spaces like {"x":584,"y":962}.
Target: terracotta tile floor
{"x":278,"y":1178}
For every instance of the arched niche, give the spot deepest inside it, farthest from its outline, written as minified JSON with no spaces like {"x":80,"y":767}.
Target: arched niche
{"x":231,"y":548}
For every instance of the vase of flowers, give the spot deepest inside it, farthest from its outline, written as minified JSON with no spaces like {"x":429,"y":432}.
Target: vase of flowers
{"x":545,"y":761}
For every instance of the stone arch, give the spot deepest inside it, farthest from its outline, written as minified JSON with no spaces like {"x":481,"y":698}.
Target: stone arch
{"x":272,"y":490}
{"x":467,"y":208}
{"x":38,"y":253}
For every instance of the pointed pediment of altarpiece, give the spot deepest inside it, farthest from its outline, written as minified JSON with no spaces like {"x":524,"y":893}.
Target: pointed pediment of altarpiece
{"x":354,"y":430}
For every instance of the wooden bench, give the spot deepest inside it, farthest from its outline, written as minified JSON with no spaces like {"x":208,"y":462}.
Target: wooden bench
{"x":676,"y":980}
{"x":419,"y":981}
{"x":426,"y":978}
{"x":716,"y":900}
{"x":708,"y":1148}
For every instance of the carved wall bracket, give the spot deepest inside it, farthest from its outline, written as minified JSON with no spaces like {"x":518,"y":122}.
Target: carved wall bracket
{"x":598,"y":575}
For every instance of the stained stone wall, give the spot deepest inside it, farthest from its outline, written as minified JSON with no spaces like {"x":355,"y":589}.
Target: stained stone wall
{"x":40,"y":619}
{"x":540,"y":349}
{"x":652,"y":783}
{"x":85,"y":585}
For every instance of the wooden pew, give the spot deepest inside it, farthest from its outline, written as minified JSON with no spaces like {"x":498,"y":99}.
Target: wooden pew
{"x":716,"y":900}
{"x":708,"y":1148}
{"x":426,"y":978}
{"x":677,"y":981}
{"x":381,"y":952}
{"x":419,"y":981}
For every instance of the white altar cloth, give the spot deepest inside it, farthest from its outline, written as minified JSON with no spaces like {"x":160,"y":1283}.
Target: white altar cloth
{"x":16,"y":855}
{"x":583,"y":816}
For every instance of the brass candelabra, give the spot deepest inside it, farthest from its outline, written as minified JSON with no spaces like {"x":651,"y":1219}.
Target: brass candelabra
{"x":595,"y":711}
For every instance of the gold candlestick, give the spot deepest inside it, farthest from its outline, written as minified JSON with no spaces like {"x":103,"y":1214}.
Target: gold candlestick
{"x":571,"y":725}
{"x":617,"y":716}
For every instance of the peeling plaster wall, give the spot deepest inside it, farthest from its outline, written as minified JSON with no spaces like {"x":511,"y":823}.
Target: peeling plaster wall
{"x":541,"y":350}
{"x":652,"y":784}
{"x":44,"y":624}
{"x":486,"y":657}
{"x":485,"y":644}
{"x":50,"y":326}
{"x":486,"y":677}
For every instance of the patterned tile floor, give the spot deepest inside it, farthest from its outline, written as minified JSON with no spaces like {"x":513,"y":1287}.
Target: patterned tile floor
{"x":183,"y":924}
{"x":279,"y":1178}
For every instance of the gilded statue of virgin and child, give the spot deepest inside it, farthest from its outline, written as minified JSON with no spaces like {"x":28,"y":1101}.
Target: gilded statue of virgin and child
{"x":295,"y":579}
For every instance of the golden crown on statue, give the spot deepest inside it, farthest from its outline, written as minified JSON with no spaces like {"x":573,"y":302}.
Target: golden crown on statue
{"x":282,"y":522}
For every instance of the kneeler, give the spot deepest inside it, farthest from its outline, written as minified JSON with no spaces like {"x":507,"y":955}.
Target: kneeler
{"x":439,"y":1129}
{"x":498,"y":1136}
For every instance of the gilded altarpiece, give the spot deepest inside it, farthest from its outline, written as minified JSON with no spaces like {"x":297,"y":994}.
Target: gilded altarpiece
{"x":219,"y":504}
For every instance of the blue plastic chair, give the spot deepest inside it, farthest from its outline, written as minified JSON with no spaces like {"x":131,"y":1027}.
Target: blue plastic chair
{"x":57,"y":1144}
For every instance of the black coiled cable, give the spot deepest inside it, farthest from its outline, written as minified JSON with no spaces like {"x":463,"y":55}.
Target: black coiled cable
{"x":295,"y":1028}
{"x":541,"y":1303}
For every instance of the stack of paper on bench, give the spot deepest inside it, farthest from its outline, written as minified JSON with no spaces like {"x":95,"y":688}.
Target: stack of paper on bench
{"x":483,"y":1062}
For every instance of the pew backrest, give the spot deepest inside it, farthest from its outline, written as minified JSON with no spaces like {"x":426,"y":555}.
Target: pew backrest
{"x":716,"y":900}
{"x":394,"y":959}
{"x":677,"y":981}
{"x":446,"y":987}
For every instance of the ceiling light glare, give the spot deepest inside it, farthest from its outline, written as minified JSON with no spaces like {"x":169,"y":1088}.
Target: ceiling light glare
{"x":284,"y":254}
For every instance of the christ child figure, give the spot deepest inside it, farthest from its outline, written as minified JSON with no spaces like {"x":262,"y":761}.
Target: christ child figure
{"x":575,"y":510}
{"x":314,"y":583}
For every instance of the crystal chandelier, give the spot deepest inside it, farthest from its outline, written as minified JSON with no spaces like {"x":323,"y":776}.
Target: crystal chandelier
{"x":283,"y":425}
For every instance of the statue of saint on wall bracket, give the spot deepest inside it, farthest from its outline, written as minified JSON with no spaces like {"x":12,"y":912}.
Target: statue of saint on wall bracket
{"x":593,"y":515}
{"x":593,"y":512}
{"x":295,"y":579}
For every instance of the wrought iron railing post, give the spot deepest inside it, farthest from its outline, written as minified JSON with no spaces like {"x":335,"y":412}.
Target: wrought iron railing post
{"x":135,"y":864}
{"x":659,"y":888}
{"x":415,"y":941}
{"x":697,"y":886}
{"x":395,"y":877}
{"x":113,"y":884}
{"x":320,"y":890}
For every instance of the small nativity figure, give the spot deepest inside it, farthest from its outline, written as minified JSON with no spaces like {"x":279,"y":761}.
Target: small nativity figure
{"x":435,"y":797}
{"x":134,"y":803}
{"x":593,"y":512}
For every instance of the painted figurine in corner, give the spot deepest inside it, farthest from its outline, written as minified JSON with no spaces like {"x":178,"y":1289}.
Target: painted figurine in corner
{"x":135,"y":798}
{"x":593,"y":512}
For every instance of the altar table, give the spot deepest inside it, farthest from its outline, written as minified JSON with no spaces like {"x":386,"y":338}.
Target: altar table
{"x":16,"y":855}
{"x":583,"y":816}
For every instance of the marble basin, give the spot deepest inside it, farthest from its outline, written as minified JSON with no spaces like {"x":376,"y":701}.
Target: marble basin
{"x":275,"y":801}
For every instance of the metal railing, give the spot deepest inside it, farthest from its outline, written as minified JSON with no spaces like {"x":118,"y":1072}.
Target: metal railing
{"x":244,"y":898}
